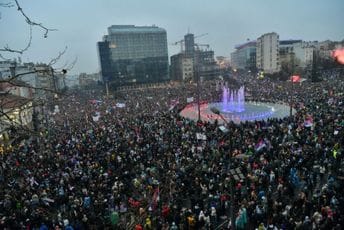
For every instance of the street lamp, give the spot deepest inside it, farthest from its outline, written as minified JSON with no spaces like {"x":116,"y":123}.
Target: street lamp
{"x":293,"y":79}
{"x":236,"y":175}
{"x":291,"y":97}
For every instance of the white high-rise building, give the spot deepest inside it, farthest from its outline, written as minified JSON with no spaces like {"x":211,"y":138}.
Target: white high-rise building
{"x":267,"y":58}
{"x":301,"y":52}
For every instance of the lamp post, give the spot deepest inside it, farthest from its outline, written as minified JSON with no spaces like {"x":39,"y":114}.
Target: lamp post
{"x":291,"y":96}
{"x":294,"y":78}
{"x":236,"y":175}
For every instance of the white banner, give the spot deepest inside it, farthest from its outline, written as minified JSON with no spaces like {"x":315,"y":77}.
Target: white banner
{"x":201,"y":136}
{"x":223,"y":129}
{"x":120,"y":105}
{"x":95,"y":119}
{"x":189,"y":99}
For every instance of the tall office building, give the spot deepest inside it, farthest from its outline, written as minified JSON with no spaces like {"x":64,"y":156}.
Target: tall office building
{"x":189,"y":40}
{"x":134,"y":54}
{"x":267,"y":54}
{"x":244,"y":56}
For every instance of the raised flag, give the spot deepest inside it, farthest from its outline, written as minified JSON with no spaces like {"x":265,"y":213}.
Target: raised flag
{"x":308,"y":121}
{"x":295,"y":79}
{"x":260,"y":145}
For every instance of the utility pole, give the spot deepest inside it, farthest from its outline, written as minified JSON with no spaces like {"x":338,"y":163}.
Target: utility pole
{"x":196,"y":68}
{"x":198,"y":96}
{"x":314,"y":76}
{"x":291,"y":97}
{"x":292,"y":84}
{"x":107,"y":88}
{"x":236,"y":175}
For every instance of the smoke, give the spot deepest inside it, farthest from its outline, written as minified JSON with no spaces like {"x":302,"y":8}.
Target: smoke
{"x":338,"y":55}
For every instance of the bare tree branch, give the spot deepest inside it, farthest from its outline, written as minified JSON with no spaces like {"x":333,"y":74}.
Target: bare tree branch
{"x":56,"y":59}
{"x":68,"y":66}
{"x":7,"y":4}
{"x":21,"y":51}
{"x":30,"y":22}
{"x":6,"y":59}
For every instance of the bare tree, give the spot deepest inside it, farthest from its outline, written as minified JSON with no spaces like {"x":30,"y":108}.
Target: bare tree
{"x":18,"y":112}
{"x":30,"y":22}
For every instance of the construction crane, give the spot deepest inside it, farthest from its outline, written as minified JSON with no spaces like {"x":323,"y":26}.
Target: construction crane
{"x":204,"y":45}
{"x":181,"y":42}
{"x":201,"y":35}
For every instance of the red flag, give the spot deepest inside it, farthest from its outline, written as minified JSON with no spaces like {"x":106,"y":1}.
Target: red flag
{"x":295,"y":78}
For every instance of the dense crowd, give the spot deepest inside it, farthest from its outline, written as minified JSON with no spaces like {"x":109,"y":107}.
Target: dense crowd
{"x":130,"y":161}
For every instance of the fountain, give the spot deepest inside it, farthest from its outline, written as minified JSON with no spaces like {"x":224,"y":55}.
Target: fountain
{"x":234,"y":107}
{"x":233,"y":100}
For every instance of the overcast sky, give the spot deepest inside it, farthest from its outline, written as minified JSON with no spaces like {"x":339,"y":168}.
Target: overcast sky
{"x":81,"y":23}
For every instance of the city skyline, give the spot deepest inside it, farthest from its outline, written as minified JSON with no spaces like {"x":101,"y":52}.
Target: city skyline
{"x":81,"y":24}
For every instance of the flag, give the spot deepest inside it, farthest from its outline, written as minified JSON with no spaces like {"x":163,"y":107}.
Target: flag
{"x":308,"y":121}
{"x":260,"y":145}
{"x":295,"y":79}
{"x":173,"y":103}
{"x":94,"y":101}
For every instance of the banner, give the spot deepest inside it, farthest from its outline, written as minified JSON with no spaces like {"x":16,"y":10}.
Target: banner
{"x":201,"y":136}
{"x":120,"y":105}
{"x":189,"y":99}
{"x":223,"y":129}
{"x":96,"y":117}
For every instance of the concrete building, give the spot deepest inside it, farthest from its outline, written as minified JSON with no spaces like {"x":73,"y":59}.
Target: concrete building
{"x":18,"y":111}
{"x":295,"y":54}
{"x":206,"y":65}
{"x":193,"y":61}
{"x":244,"y":56}
{"x":182,"y":67}
{"x":133,"y":54}
{"x":39,"y":77}
{"x":267,"y":54}
{"x":189,"y":40}
{"x":88,"y":79}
